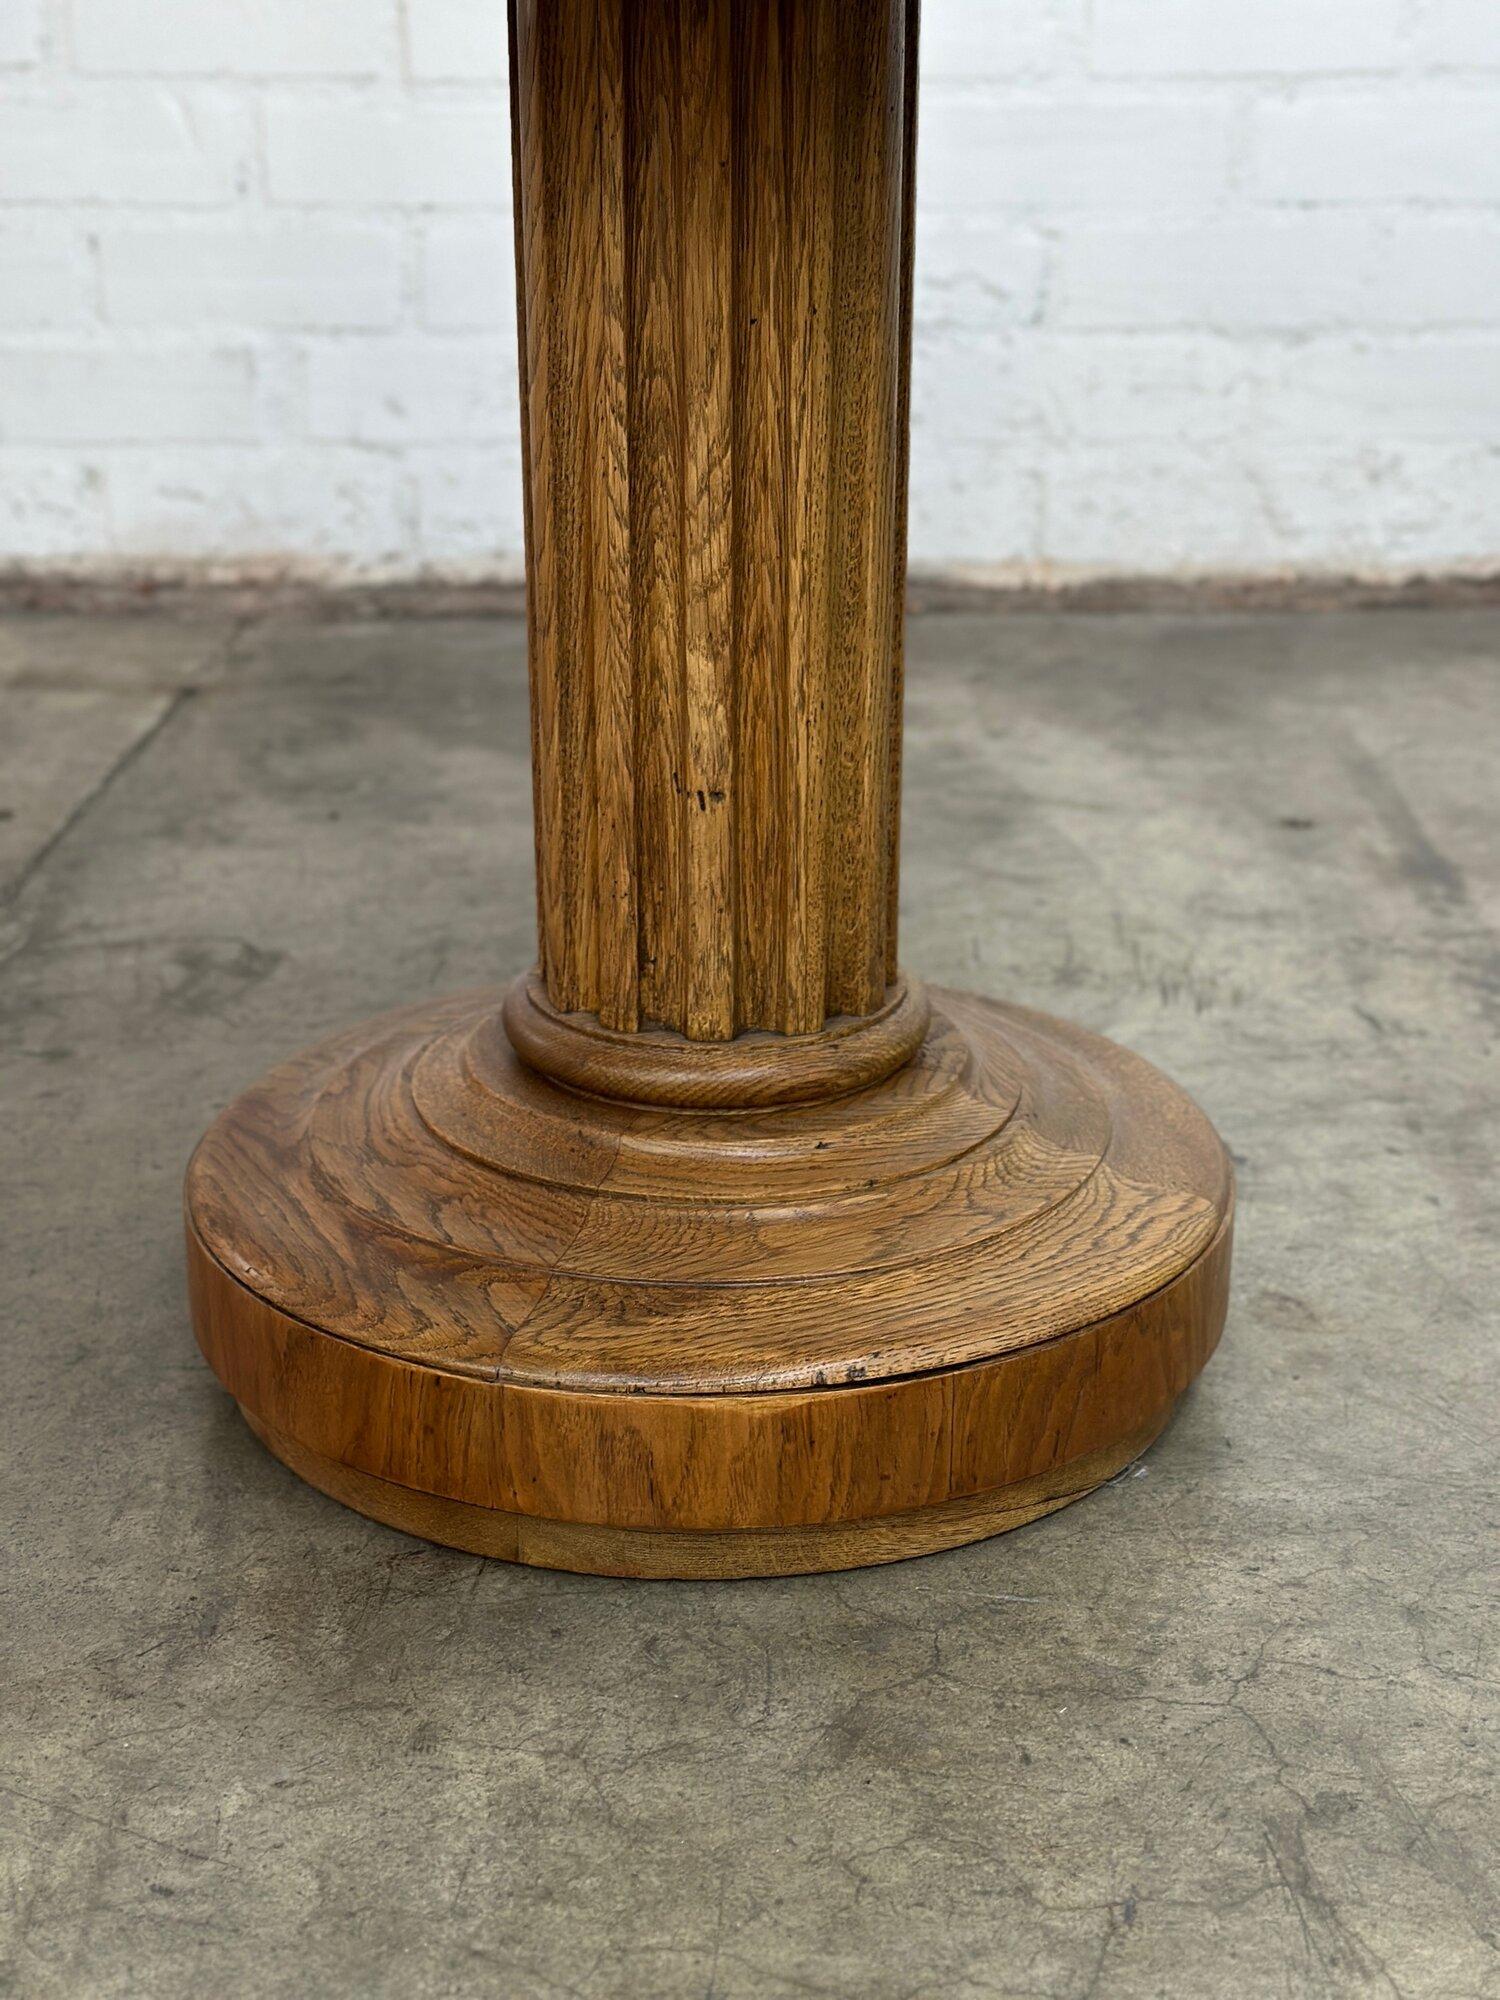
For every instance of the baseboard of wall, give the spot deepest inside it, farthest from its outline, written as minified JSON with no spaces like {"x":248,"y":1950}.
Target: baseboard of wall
{"x":221,"y":592}
{"x":1207,"y":591}
{"x":264,"y":591}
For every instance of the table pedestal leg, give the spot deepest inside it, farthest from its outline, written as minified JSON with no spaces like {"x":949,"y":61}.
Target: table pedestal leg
{"x":716,"y":1245}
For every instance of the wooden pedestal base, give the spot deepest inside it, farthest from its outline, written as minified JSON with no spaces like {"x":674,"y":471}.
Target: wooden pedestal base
{"x":666,"y":1339}
{"x":714,"y":1248}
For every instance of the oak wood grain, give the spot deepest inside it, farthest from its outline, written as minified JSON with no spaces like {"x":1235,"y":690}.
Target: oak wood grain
{"x":713,"y":210}
{"x":712,"y":1555}
{"x":720,"y":1462}
{"x":415,"y":1186}
{"x":417,"y":1257}
{"x":716,"y":1246}
{"x":745,"y":1072}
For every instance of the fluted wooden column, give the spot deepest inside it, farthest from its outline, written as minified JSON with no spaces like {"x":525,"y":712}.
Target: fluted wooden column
{"x":713,"y":207}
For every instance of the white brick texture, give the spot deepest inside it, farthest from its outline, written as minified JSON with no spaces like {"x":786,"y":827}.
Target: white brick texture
{"x":123,"y":395}
{"x":244,"y":38}
{"x":453,"y":41}
{"x":469,"y":273}
{"x":1049,"y":151}
{"x":1458,"y":34}
{"x":46,"y":277}
{"x":1298,"y":271}
{"x":106,"y":143}
{"x":1198,"y":286}
{"x":326,"y":508}
{"x":1182,"y":38}
{"x":372,"y":154}
{"x":20,"y":33}
{"x":413,"y":391}
{"x":1433,"y":145}
{"x":288,"y":272}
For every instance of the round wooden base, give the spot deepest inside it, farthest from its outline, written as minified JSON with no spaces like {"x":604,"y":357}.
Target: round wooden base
{"x":650,"y":1340}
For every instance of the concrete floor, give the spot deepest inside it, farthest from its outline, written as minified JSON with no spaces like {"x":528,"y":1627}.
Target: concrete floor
{"x":1225,"y":1729}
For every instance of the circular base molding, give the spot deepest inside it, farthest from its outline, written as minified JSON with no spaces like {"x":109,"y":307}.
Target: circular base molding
{"x":665,"y":1339}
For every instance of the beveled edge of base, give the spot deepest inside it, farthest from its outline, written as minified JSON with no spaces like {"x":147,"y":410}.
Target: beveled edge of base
{"x":685,"y":1555}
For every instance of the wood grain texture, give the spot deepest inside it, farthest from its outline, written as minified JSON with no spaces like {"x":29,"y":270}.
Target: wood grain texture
{"x":658,"y":1066}
{"x":718,"y":1462}
{"x":713,"y":210}
{"x":716,"y":1246}
{"x":712,"y":1555}
{"x":417,"y":1258}
{"x":415,"y":1186}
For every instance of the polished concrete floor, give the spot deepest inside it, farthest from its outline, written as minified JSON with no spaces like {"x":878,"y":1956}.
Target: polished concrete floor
{"x":1227,"y":1728}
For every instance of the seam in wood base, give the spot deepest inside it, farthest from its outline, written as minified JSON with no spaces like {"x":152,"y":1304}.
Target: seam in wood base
{"x":683,"y":1555}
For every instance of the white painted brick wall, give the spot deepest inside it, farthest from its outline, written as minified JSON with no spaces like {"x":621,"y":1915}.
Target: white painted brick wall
{"x":1198,"y":286}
